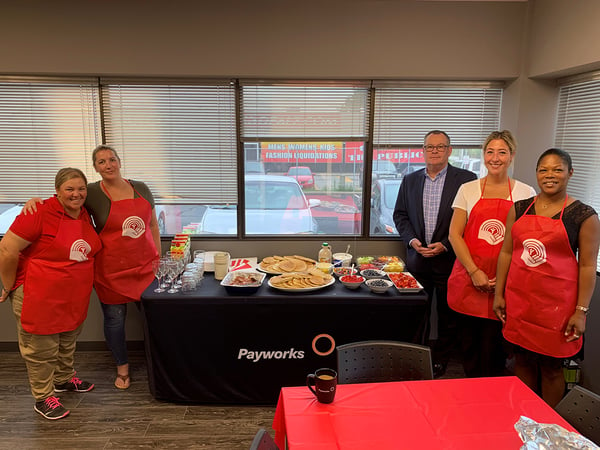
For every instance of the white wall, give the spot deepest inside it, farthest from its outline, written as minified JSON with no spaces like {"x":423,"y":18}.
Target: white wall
{"x":564,"y":38}
{"x":263,"y":38}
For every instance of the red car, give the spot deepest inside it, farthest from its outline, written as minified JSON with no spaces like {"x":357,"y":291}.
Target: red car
{"x":303,"y":176}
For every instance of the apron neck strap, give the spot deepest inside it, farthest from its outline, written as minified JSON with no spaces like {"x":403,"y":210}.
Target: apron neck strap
{"x":562,"y":211}
{"x":509,"y":189}
{"x":108,"y":194}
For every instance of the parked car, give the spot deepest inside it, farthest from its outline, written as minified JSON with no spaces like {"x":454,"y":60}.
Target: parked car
{"x":382,"y":168}
{"x":254,"y":167}
{"x":475,"y":166}
{"x":412,"y":168}
{"x":383,"y":200}
{"x":8,"y":213}
{"x":274,"y":205}
{"x":303,"y":175}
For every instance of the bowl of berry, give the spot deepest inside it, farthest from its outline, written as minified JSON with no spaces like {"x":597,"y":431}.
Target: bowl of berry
{"x":341,"y":271}
{"x":379,"y":285}
{"x":371,"y":274}
{"x":352,"y":281}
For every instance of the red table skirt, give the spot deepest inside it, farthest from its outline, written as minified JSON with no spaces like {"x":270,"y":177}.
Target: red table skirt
{"x":462,"y":414}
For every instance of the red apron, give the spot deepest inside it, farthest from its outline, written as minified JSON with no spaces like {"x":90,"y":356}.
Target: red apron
{"x":541,"y":288}
{"x":124,"y":266}
{"x":484,"y":234}
{"x":58,"y":280}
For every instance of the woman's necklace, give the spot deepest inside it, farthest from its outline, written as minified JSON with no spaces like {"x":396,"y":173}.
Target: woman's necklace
{"x":545,"y":205}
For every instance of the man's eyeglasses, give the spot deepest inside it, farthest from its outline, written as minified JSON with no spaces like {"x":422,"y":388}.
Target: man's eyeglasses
{"x":435,"y":148}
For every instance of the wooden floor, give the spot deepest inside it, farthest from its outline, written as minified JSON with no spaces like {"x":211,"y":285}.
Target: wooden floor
{"x":107,"y":418}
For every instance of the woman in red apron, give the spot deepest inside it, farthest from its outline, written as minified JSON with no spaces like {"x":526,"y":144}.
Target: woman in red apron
{"x":123,"y":211}
{"x":124,"y":217}
{"x":543,"y":290}
{"x":476,"y":234}
{"x":40,"y":255}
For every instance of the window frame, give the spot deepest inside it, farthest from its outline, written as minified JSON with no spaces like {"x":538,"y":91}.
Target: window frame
{"x":366,"y":135}
{"x":44,"y":124}
{"x":577,"y":131}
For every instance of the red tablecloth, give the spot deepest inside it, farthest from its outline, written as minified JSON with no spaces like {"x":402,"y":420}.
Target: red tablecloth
{"x":462,"y":414}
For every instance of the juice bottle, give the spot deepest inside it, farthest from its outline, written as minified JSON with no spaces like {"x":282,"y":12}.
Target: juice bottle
{"x":325,"y":253}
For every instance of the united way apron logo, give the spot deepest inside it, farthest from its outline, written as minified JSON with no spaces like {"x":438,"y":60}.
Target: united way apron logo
{"x":492,"y":231}
{"x":133,"y":227}
{"x":79,"y":251}
{"x":534,"y":252}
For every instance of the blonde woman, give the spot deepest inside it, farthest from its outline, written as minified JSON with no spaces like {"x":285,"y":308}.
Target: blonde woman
{"x":476,"y":234}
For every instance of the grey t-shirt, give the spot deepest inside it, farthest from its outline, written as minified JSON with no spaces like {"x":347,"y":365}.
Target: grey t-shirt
{"x":98,"y":203}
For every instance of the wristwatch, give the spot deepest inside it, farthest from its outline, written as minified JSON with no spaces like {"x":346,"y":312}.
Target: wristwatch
{"x":584,"y":309}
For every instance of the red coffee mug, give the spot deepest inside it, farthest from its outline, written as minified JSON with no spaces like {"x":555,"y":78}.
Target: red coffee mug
{"x":325,"y":382}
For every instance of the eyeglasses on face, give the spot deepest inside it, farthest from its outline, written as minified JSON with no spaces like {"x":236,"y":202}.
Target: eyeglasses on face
{"x":435,"y":148}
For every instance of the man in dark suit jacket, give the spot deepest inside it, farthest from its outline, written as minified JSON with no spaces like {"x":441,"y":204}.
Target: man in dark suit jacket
{"x":422,"y":216}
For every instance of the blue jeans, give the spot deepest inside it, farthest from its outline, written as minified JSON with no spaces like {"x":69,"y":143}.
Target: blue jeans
{"x":114,"y":331}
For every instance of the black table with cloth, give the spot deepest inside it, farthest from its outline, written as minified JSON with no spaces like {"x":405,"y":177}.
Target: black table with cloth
{"x":208,"y":346}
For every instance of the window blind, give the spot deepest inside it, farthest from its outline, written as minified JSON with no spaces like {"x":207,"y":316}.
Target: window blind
{"x":405,"y":112}
{"x":177,"y":137}
{"x":45,"y":124}
{"x":304,"y":110}
{"x":578,"y":132}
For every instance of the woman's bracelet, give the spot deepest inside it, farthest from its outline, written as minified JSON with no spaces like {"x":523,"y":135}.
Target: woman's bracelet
{"x":472,"y":272}
{"x":584,"y":309}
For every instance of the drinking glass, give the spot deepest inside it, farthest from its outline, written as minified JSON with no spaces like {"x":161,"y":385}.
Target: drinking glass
{"x":159,"y":268}
{"x":173,"y":270}
{"x":195,"y":269}
{"x":166,"y":282}
{"x":180,"y":268}
{"x":199,"y":255}
{"x":188,"y":281}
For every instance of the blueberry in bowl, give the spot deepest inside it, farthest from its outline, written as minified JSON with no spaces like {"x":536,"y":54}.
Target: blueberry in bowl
{"x":379,"y":285}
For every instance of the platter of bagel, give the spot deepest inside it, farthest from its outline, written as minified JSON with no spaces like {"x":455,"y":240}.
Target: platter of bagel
{"x":277,"y":265}
{"x":311,"y":280}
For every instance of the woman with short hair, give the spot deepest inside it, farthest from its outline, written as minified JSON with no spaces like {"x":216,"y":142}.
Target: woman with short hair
{"x":546,"y":277}
{"x":47,"y":270}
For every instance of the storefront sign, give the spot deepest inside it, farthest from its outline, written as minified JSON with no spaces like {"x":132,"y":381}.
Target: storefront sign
{"x":302,"y":152}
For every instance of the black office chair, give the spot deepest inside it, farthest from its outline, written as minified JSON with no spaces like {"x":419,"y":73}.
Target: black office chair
{"x":581,"y":408}
{"x":375,"y":361}
{"x":263,"y":441}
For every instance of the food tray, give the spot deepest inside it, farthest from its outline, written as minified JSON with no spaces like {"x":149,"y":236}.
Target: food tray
{"x":375,"y":262}
{"x":398,"y":277}
{"x":242,"y":289}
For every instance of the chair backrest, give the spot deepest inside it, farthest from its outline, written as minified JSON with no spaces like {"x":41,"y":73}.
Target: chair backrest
{"x":263,"y":441}
{"x":375,"y":361}
{"x":581,"y":408}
